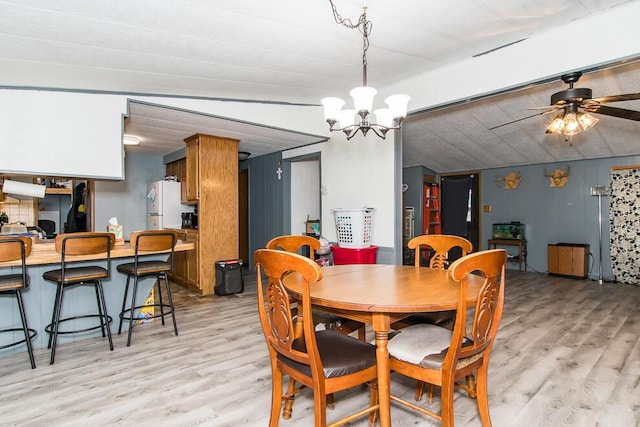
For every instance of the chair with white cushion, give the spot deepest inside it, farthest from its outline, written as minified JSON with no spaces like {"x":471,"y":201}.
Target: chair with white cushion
{"x":439,"y":356}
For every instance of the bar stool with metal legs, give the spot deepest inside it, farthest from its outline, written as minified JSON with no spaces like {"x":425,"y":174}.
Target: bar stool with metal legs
{"x":13,"y":249}
{"x":148,"y":242}
{"x":71,"y":246}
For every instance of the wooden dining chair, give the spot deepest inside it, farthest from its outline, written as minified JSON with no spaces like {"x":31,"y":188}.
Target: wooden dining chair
{"x":13,"y":248}
{"x":325,"y":361}
{"x":442,"y":357}
{"x":294,"y":243}
{"x":441,"y":245}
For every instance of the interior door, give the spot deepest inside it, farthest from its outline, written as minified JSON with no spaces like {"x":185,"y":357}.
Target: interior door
{"x":460,"y":207}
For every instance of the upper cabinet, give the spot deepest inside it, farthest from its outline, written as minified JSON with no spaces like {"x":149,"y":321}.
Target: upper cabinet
{"x":192,"y":178}
{"x":179,"y":169}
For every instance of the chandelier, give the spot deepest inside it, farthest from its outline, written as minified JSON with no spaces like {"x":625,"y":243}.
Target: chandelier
{"x":570,"y":121}
{"x":361,"y":117}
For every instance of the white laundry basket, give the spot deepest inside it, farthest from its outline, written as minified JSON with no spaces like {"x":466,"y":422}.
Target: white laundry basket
{"x":353,"y":227}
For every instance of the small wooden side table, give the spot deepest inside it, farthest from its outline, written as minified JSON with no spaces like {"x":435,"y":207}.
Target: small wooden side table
{"x":522,"y":250}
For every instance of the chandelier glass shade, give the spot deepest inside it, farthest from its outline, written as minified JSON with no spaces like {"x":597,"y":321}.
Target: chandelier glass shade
{"x":362,"y":117}
{"x":571,"y":122}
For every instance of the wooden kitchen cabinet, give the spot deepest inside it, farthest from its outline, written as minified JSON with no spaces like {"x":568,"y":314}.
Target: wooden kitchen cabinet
{"x":179,"y":169}
{"x":212,"y":168}
{"x":192,"y":173}
{"x":185,"y":266}
{"x":569,"y":260}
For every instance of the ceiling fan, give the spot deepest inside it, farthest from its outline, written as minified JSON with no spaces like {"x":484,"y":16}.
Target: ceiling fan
{"x":574,"y":105}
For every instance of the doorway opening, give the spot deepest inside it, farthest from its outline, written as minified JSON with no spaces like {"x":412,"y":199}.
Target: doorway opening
{"x":460,"y":206}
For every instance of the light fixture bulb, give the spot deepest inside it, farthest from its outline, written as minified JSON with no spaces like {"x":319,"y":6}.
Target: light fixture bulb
{"x":363,"y":98}
{"x":398,"y":105}
{"x":384,"y":117}
{"x":587,"y":121}
{"x":556,"y":124}
{"x":332,"y":107}
{"x":571,"y":125}
{"x":130,"y":140}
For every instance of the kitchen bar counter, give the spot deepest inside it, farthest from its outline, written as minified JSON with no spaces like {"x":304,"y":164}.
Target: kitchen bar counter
{"x":43,"y":253}
{"x":39,"y":296}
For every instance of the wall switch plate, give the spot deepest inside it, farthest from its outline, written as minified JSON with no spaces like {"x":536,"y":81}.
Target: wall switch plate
{"x":486,"y":208}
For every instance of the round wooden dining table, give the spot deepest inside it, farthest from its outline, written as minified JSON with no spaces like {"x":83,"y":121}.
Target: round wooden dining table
{"x":380,"y":294}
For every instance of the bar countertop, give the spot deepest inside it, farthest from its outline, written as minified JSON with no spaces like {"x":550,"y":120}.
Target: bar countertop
{"x":43,"y":253}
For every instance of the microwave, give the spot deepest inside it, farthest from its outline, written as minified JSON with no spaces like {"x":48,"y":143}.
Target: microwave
{"x":189,"y":220}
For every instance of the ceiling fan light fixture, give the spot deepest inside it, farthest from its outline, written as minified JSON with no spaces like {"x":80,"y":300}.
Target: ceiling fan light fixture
{"x":587,"y":121}
{"x":556,"y":124}
{"x":346,"y":120}
{"x":571,"y":125}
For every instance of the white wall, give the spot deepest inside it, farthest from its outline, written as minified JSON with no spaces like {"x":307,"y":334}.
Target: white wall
{"x":127,"y":200}
{"x":356,"y":174}
{"x":305,"y":194}
{"x":61,"y":133}
{"x":57,"y":133}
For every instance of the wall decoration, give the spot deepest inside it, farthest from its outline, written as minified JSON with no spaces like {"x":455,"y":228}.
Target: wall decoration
{"x":559,"y":177}
{"x":510,"y":182}
{"x":624,"y":223}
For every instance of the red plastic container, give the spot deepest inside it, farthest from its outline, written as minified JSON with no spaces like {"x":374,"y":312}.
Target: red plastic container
{"x":342,"y":256}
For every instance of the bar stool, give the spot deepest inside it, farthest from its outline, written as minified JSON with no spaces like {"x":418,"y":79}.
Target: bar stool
{"x":71,"y":247}
{"x":148,"y":242}
{"x":13,"y":249}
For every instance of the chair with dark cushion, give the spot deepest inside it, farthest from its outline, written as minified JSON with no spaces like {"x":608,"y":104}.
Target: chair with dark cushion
{"x":439,"y":356}
{"x":325,"y":361}
{"x":74,"y":247}
{"x":14,"y":249}
{"x":321,"y":318}
{"x":149,"y":242}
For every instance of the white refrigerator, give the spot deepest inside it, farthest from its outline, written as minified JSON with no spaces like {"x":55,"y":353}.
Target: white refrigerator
{"x":163,"y":205}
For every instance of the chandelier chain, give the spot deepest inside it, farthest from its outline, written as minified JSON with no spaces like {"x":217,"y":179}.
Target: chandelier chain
{"x":379,"y":121}
{"x":363,"y":25}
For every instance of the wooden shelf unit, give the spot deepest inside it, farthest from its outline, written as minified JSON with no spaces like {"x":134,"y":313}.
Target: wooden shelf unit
{"x":431,"y":217}
{"x":568,"y":260}
{"x":521,"y":244}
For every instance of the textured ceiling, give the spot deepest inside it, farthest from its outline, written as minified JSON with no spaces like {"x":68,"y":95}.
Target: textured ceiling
{"x":292,"y":51}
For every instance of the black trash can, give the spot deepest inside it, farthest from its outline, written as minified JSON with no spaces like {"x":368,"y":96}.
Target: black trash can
{"x":229,"y":278}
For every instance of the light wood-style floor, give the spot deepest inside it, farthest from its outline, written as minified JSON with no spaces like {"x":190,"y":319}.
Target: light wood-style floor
{"x":568,"y":354}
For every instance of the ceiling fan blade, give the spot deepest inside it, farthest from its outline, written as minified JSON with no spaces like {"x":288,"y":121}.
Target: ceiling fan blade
{"x":524,"y":118}
{"x":547,"y":107}
{"x":613,"y":111}
{"x":617,"y":98}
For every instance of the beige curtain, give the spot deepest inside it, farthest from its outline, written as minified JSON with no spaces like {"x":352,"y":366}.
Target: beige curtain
{"x":624,"y":221}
